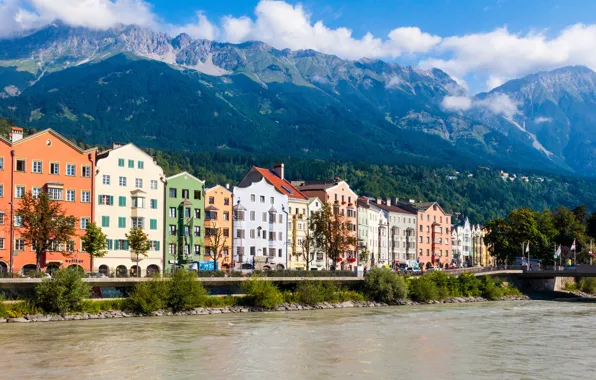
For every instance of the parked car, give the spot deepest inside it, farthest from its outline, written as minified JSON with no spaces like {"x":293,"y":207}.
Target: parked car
{"x":432,"y":269}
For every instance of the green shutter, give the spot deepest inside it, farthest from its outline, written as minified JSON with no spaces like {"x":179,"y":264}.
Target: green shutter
{"x":99,"y":199}
{"x":154,"y":204}
{"x":153,"y":224}
{"x":121,"y":162}
{"x":121,"y":222}
{"x":122,"y":201}
{"x":116,"y":245}
{"x":157,"y":245}
{"x":141,"y":165}
{"x":131,"y":164}
{"x":105,"y":221}
{"x":109,"y":244}
{"x":126,"y":245}
{"x":111,"y":200}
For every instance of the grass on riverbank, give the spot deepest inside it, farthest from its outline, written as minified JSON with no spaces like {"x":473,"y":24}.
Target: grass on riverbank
{"x":63,"y":294}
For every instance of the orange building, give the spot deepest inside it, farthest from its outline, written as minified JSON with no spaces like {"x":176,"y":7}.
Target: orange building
{"x":218,"y":220}
{"x":342,"y":200}
{"x":434,"y":233}
{"x":45,"y":161}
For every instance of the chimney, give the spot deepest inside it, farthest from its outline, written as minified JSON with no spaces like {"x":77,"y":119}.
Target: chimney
{"x":388,"y":200}
{"x":279,"y":170}
{"x":228,"y":186}
{"x":412,"y":201}
{"x":379,"y":201}
{"x":396,"y":201}
{"x":17,"y":134}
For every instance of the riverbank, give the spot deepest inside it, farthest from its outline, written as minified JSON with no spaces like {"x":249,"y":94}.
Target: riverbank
{"x":284,"y":307}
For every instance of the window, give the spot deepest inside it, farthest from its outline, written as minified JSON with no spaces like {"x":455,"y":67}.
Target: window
{"x":198,"y":213}
{"x":172,"y":212}
{"x":122,"y":201}
{"x":54,"y":168}
{"x":252,"y":234}
{"x":37,"y":167}
{"x":239,"y":215}
{"x":271,"y":236}
{"x":153,"y":184}
{"x":70,"y":195}
{"x":172,"y":249}
{"x":197,"y":249}
{"x":19,"y":245}
{"x":185,"y":194}
{"x":122,"y":181}
{"x":264,"y":218}
{"x":252,"y":215}
{"x":18,"y":220}
{"x":138,"y":222}
{"x":280,"y":218}
{"x":139,"y":183}
{"x":84,"y":223}
{"x":197,"y":194}
{"x":262,"y":198}
{"x":272,"y":200}
{"x":1,"y":243}
{"x":86,"y":171}
{"x":121,"y":162}
{"x":226,"y":201}
{"x":36,"y":192}
{"x":279,"y":252}
{"x":226,"y":232}
{"x":1,"y":163}
{"x":253,"y":198}
{"x":154,"y":245}
{"x":279,"y":236}
{"x":271,"y":252}
{"x":197,"y":231}
{"x":85,"y":196}
{"x":172,"y":229}
{"x":1,"y":218}
{"x":271,"y":218}
{"x":106,"y":200}
{"x":20,"y":166}
{"x":138,"y":202}
{"x":55,"y":193}
{"x":140,"y":165}
{"x":226,"y":215}
{"x":240,"y":234}
{"x":211,"y":200}
{"x":1,"y":191}
{"x":187,"y":212}
{"x":173,"y":193}
{"x":131,"y":164}
{"x":153,"y":224}
{"x":154,"y":204}
{"x":71,"y":170}
{"x":105,"y":221}
{"x":121,"y":222}
{"x":186,"y":230}
{"x":105,"y":179}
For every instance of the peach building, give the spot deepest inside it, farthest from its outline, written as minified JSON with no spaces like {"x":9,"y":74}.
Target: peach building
{"x":45,"y":161}
{"x":218,"y":220}
{"x":342,"y":200}
{"x":434,"y":232}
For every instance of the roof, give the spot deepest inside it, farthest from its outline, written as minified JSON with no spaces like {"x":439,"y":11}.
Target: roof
{"x":185,"y":173}
{"x":218,"y":186}
{"x":56,"y":135}
{"x":392,"y":208}
{"x":423,"y":206}
{"x":107,"y":152}
{"x":282,"y":185}
{"x":318,"y":185}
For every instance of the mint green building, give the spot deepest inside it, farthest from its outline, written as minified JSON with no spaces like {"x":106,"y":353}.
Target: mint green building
{"x":184,"y":221}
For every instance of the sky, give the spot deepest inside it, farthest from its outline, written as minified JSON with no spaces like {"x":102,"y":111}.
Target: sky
{"x":480,"y":43}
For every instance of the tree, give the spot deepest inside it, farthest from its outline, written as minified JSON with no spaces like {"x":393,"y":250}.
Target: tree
{"x":218,"y":241}
{"x":94,"y":242}
{"x":139,"y":244}
{"x":44,"y":224}
{"x":308,"y":243}
{"x":497,"y":240}
{"x":591,"y":231}
{"x":333,"y":232}
{"x":364,"y":256}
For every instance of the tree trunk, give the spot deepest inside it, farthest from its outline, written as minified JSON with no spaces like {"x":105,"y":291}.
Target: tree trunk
{"x":90,"y":263}
{"x":38,"y":262}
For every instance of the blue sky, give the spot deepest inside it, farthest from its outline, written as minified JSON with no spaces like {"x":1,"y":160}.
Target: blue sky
{"x":480,"y":43}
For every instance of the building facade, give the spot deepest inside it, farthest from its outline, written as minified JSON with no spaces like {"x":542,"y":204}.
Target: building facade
{"x":342,"y":199}
{"x":129,"y":188}
{"x":218,"y":226}
{"x":184,"y":221}
{"x":480,"y":254}
{"x":44,"y":161}
{"x":317,"y":255}
{"x":461,"y":243}
{"x":260,"y":226}
{"x":373,"y":234}
{"x":402,"y":233}
{"x":434,"y":234}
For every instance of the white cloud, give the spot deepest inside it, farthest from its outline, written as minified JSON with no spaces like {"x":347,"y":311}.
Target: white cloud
{"x":501,"y":55}
{"x":457,"y":103}
{"x":202,"y":29}
{"x":498,"y":104}
{"x":541,"y":119}
{"x":393,"y":82}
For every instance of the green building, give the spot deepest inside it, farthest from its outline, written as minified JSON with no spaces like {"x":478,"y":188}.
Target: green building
{"x":184,"y":221}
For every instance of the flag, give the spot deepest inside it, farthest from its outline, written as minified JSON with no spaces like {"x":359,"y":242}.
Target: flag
{"x":558,"y":252}
{"x":573,"y":245}
{"x":528,"y":248}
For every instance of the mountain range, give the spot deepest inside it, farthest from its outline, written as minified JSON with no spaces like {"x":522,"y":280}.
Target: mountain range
{"x":178,"y":94}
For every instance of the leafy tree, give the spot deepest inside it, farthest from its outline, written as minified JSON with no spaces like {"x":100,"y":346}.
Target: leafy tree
{"x":63,"y":293}
{"x":44,"y":224}
{"x":308,"y":243}
{"x":384,"y":285}
{"x":217,"y":242}
{"x":569,"y":227}
{"x":139,"y":244}
{"x":497,"y":240}
{"x":94,"y":242}
{"x":333,"y":232}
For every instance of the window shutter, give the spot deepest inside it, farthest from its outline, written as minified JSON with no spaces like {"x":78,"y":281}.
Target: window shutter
{"x":99,"y":199}
{"x":157,"y":245}
{"x":109,"y":244}
{"x":126,"y":245}
{"x":111,"y":200}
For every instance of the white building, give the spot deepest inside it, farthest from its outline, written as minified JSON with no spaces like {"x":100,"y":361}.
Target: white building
{"x":260,"y":226}
{"x":317,"y":253}
{"x":461,"y":243}
{"x":129,"y":192}
{"x":373,"y":232}
{"x":402,"y":231}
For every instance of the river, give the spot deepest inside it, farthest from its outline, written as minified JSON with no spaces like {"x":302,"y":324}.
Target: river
{"x":496,"y":340}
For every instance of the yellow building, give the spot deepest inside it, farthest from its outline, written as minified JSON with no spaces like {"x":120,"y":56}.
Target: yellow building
{"x":218,"y":225}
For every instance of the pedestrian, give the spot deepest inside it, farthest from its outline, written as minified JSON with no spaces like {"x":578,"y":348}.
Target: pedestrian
{"x":365,"y":270}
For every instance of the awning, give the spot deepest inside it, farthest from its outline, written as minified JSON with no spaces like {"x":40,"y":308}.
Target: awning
{"x":54,"y":262}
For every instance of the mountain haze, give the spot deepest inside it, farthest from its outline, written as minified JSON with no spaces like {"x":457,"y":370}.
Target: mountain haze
{"x":132,"y":84}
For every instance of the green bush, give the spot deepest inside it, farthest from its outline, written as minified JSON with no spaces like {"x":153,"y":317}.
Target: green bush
{"x":21,"y":308}
{"x":261,"y":293}
{"x":310,"y":292}
{"x":148,"y":296}
{"x":384,"y":285}
{"x":491,"y":290}
{"x":3,"y":311}
{"x":185,"y":292}
{"x":423,"y":289}
{"x":470,"y":285}
{"x":588,"y":285}
{"x":63,"y":293}
{"x":97,"y":306}
{"x":212,"y":301}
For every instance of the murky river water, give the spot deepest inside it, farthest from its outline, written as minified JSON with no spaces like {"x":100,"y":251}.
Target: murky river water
{"x":507,"y":340}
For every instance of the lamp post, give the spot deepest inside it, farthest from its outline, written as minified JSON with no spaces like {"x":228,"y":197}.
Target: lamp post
{"x":259,"y":229}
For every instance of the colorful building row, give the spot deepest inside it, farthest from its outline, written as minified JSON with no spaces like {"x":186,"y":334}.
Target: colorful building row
{"x":262,"y":223}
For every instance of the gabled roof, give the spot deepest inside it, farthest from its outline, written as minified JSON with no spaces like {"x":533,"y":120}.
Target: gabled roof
{"x":423,"y":206}
{"x":282,"y":185}
{"x":56,"y":135}
{"x":185,"y":173}
{"x":218,"y":186}
{"x":107,"y":152}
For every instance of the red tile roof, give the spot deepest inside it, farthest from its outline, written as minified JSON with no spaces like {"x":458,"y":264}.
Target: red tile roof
{"x":282,"y":185}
